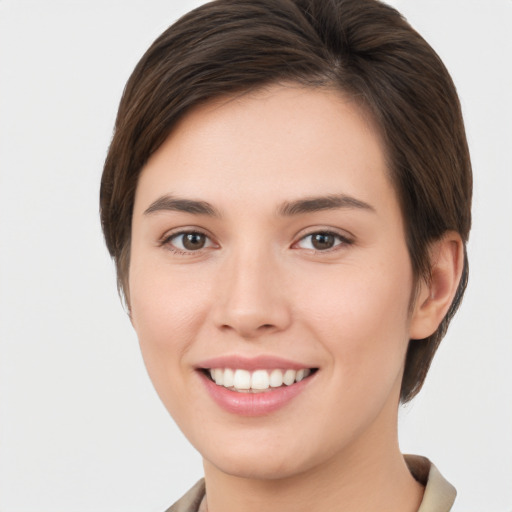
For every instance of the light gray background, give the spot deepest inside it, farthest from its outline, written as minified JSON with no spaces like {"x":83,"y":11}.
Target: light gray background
{"x":81,"y":429}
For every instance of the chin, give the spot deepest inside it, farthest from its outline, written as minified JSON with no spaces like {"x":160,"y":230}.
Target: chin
{"x":258,"y":467}
{"x":261,"y":459}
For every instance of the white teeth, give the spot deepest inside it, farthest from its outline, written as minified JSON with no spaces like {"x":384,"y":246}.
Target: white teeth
{"x":218,"y":376}
{"x":229,"y":378}
{"x":276,"y":378}
{"x":259,"y":380}
{"x":242,"y":379}
{"x":289,"y":377}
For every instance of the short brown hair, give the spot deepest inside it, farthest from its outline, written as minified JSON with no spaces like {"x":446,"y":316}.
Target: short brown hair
{"x":363,"y":48}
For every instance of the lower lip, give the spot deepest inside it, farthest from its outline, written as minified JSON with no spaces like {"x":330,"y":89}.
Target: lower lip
{"x":254,"y":404}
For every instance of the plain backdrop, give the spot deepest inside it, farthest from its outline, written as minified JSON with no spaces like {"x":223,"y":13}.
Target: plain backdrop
{"x":81,"y":429}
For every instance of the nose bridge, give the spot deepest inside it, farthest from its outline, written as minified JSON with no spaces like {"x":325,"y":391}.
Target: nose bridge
{"x":252,"y":300}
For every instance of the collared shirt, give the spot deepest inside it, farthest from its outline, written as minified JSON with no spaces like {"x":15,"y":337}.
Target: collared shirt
{"x":439,"y":494}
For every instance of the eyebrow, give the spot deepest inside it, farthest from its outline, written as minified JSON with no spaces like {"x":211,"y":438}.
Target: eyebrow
{"x":287,"y":209}
{"x":170,"y":203}
{"x":316,"y":204}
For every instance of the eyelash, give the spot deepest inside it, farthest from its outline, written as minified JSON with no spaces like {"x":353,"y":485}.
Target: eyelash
{"x":167,"y":241}
{"x":341,"y":241}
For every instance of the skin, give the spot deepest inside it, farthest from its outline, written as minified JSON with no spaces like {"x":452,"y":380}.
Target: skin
{"x":258,"y":286}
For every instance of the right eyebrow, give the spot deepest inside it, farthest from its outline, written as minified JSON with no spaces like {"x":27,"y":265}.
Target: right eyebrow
{"x":176,"y":204}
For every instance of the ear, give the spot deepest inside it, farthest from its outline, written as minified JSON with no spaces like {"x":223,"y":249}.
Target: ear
{"x":434,"y":298}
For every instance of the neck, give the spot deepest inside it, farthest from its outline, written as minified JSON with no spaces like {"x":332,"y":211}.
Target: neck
{"x":370,"y":476}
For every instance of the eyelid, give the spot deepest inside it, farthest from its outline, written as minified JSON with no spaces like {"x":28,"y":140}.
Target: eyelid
{"x":169,"y":236}
{"x":344,"y":238}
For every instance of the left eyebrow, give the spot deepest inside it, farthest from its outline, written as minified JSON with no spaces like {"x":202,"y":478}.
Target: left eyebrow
{"x":316,"y":204}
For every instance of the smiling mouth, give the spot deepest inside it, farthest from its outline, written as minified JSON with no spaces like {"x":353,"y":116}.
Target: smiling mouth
{"x":258,"y":381}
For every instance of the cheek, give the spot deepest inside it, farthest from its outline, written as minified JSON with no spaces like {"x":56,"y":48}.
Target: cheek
{"x":163,"y":298}
{"x":362,"y":317}
{"x":167,"y":312}
{"x":361,"y":296}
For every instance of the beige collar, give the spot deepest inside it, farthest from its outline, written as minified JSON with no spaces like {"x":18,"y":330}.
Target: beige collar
{"x":439,"y":493}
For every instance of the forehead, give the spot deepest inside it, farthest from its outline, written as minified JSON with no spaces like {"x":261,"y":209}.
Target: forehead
{"x":277,"y":141}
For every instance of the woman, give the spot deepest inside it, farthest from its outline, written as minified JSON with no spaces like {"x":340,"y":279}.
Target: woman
{"x":287,"y":200}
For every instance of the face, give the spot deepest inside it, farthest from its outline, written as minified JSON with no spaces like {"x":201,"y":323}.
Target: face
{"x":268,"y":255}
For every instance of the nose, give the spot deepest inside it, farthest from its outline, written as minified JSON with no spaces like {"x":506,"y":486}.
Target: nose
{"x":252,"y":299}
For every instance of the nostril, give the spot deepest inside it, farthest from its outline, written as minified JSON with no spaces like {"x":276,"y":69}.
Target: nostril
{"x":251,"y":320}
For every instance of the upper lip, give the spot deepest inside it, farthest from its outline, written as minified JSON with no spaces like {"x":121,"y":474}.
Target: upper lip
{"x":261,"y":362}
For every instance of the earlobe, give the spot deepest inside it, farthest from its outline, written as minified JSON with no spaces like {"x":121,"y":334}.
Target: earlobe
{"x":434,"y":297}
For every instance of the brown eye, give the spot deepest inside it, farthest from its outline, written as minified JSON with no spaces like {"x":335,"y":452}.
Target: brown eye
{"x":193,"y":241}
{"x":189,"y":241}
{"x":322,"y":241}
